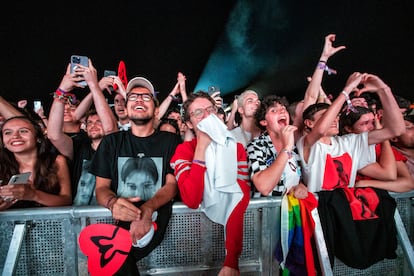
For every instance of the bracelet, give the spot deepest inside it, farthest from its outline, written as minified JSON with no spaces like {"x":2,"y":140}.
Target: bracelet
{"x":174,"y":98}
{"x":109,"y":203}
{"x":65,"y":97}
{"x":346,"y":95}
{"x":61,"y":90}
{"x":289,"y":153}
{"x":199,"y":162}
{"x":350,"y":107}
{"x":323,"y":61}
{"x":322,"y":65}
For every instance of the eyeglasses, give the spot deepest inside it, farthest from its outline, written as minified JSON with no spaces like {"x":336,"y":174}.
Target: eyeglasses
{"x":199,"y":112}
{"x":133,"y":97}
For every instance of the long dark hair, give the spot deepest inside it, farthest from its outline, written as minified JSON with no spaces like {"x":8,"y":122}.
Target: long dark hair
{"x":45,"y":167}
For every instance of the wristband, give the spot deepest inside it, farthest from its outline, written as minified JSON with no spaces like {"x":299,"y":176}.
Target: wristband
{"x":199,"y":162}
{"x":349,"y":107}
{"x":174,"y":98}
{"x":322,"y":65}
{"x":289,"y":153}
{"x":109,"y":203}
{"x":61,"y":90}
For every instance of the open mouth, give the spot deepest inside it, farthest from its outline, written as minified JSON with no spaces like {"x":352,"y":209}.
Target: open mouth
{"x":283,"y":121}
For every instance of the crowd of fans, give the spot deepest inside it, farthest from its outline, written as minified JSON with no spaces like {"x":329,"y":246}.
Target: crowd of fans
{"x":141,"y":155}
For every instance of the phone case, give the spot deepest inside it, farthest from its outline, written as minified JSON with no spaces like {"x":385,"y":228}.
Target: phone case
{"x":82,"y":60}
{"x":108,"y":73}
{"x":20,"y":178}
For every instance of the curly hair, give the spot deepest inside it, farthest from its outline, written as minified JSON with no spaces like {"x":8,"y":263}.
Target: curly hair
{"x":45,"y":169}
{"x":266,"y":103}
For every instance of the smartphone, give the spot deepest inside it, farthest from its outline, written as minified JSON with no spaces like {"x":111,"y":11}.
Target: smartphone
{"x":213,"y":89}
{"x":108,"y":73}
{"x":21,"y":178}
{"x":37,"y":105}
{"x":74,"y":61}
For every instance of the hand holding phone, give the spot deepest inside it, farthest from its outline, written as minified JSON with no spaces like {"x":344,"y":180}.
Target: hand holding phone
{"x":21,"y":178}
{"x":75,"y":60}
{"x":37,"y":105}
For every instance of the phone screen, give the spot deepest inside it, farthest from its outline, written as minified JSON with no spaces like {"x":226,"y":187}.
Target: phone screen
{"x":108,"y":73}
{"x":37,"y":105}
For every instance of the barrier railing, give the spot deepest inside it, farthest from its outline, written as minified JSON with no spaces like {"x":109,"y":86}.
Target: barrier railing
{"x":192,"y":243}
{"x":43,"y":241}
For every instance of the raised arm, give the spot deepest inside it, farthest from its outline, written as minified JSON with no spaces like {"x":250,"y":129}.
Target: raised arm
{"x":179,"y":89}
{"x":7,"y":110}
{"x":55,"y":133}
{"x":321,"y":126}
{"x":107,"y":117}
{"x":314,"y":86}
{"x":392,"y":120}
{"x":167,"y":101}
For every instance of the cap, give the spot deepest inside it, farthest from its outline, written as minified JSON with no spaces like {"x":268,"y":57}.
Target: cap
{"x":140,"y":82}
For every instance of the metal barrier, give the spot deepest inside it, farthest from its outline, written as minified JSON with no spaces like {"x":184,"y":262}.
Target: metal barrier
{"x":44,"y":242}
{"x":193,"y":244}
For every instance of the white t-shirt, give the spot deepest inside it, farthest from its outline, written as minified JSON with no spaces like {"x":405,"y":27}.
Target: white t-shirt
{"x":242,"y":136}
{"x":335,"y":165}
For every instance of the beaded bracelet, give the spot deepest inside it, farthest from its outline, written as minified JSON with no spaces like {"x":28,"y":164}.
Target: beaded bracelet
{"x":64,"y":96}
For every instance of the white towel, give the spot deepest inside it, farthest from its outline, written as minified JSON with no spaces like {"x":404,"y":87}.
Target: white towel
{"x":221,"y":191}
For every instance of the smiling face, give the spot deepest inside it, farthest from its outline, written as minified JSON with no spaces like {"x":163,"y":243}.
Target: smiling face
{"x":94,"y":127}
{"x":250,"y":104}
{"x":333,"y":128}
{"x":139,"y":110}
{"x":19,"y":136}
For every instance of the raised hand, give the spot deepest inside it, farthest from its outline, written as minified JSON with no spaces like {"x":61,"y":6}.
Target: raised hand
{"x":328,"y":49}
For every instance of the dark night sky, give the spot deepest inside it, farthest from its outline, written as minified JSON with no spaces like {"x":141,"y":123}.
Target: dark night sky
{"x":157,"y":39}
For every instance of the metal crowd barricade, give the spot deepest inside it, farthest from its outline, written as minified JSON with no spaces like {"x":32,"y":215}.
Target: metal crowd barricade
{"x":43,"y":241}
{"x":193,"y":245}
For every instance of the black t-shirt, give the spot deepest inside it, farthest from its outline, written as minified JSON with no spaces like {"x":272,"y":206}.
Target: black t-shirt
{"x":116,"y":147}
{"x":82,"y":181}
{"x":133,"y":162}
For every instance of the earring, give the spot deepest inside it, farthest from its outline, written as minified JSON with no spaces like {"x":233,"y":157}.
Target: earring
{"x":39,"y":141}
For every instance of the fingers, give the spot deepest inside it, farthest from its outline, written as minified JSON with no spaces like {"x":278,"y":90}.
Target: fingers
{"x":124,"y":210}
